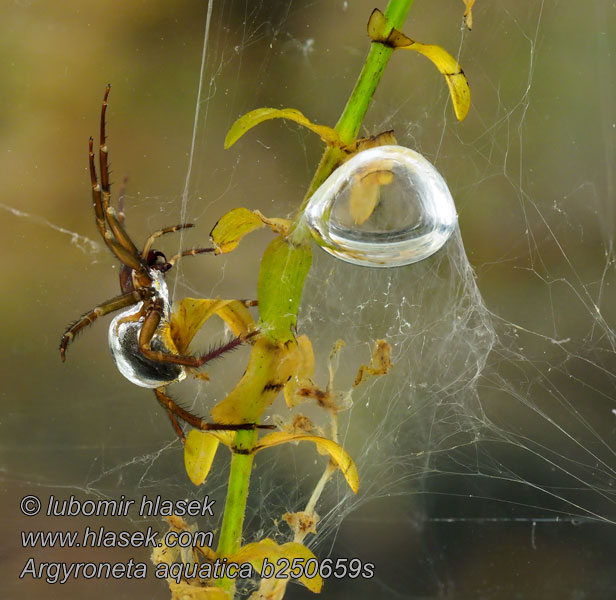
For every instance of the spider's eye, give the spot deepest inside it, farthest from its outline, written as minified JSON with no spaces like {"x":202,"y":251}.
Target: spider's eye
{"x":157,"y":260}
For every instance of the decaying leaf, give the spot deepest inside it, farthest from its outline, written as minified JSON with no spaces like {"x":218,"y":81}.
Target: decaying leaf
{"x":300,"y":424}
{"x":380,"y":363}
{"x":193,"y":589}
{"x":468,"y":13}
{"x":387,"y":138}
{"x":302,"y":522}
{"x":327,"y":399}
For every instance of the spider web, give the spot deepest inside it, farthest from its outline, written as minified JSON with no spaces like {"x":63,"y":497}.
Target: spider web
{"x":487,"y":456}
{"x":492,"y":412}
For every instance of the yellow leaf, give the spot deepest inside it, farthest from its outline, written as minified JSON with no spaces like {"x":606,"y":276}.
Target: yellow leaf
{"x":196,"y":592}
{"x":188,"y":318}
{"x":270,"y":366}
{"x":236,"y":315}
{"x":277,"y":225}
{"x":454,"y":75}
{"x":239,"y":222}
{"x":257,"y":552}
{"x":468,"y":13}
{"x":199,"y":452}
{"x":336,"y":452}
{"x":306,"y":365}
{"x":380,"y":363}
{"x":192,"y":313}
{"x":232,"y":227}
{"x":365,"y":193}
{"x":208,"y":593}
{"x":225,"y":437}
{"x":444,"y":62}
{"x":303,"y":373}
{"x":189,"y":590}
{"x":254,"y":117}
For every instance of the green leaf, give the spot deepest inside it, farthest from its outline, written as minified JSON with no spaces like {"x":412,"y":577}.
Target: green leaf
{"x":284,"y":268}
{"x":254,"y":117}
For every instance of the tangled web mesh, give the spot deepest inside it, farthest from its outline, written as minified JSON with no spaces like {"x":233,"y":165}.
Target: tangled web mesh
{"x":512,"y":416}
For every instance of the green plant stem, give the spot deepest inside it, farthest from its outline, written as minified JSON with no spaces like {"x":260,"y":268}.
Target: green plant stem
{"x":353,"y":115}
{"x":348,"y":126}
{"x":237,"y":493}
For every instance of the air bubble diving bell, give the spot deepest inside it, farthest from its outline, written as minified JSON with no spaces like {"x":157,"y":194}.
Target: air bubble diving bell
{"x":124,"y":333}
{"x":385,"y":207}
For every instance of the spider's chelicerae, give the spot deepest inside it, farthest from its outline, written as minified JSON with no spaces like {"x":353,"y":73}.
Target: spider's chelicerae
{"x":135,"y":339}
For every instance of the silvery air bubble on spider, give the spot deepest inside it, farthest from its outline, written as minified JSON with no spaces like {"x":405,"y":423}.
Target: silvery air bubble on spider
{"x":385,"y":207}
{"x":124,"y":333}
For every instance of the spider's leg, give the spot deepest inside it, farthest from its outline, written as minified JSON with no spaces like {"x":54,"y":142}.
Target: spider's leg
{"x":153,"y":316}
{"x":109,"y":212}
{"x":190,"y":252}
{"x":197,"y":422}
{"x":96,"y":194}
{"x":174,"y":422}
{"x":102,"y":309}
{"x":157,"y":234}
{"x":121,"y":253}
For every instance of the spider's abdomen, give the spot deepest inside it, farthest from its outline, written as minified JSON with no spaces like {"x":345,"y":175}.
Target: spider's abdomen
{"x":137,"y":368}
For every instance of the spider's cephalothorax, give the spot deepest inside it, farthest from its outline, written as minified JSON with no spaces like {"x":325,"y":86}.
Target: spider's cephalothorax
{"x":140,"y":350}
